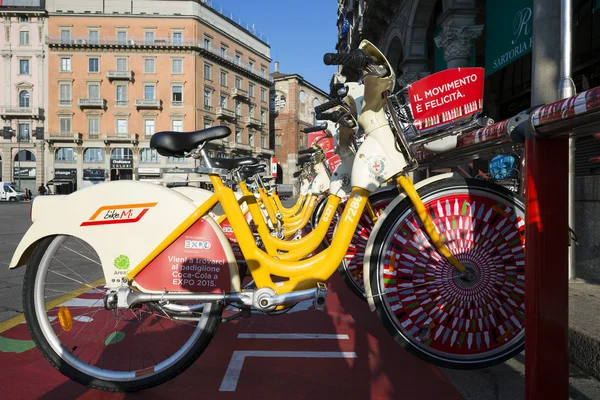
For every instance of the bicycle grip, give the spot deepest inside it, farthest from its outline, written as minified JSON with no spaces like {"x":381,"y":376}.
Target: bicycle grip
{"x":297,"y":174}
{"x":333,"y":116}
{"x":327,"y":105}
{"x":356,"y":59}
{"x":303,"y":160}
{"x":315,"y":128}
{"x":310,"y":150}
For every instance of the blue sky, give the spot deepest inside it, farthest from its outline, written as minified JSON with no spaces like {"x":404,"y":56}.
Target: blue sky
{"x":299,"y":33}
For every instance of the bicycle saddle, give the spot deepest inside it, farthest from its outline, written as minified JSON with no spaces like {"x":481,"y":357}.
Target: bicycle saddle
{"x":248,"y":172}
{"x":175,"y":144}
{"x":231,"y":163}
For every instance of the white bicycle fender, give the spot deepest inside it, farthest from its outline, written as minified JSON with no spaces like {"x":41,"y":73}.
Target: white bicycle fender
{"x":384,"y":214}
{"x":126,"y":219}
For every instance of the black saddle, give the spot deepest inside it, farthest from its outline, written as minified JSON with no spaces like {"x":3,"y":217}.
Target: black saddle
{"x":176,"y":144}
{"x":231,"y":163}
{"x":250,"y":171}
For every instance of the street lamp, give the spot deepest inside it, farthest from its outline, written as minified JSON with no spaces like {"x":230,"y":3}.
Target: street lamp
{"x":19,"y":156}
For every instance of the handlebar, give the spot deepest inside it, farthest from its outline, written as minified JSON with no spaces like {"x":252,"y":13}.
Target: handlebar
{"x":303,"y":160}
{"x":297,"y":174}
{"x":356,"y":59}
{"x":327,"y":105}
{"x":315,"y":128}
{"x":333,"y":116}
{"x":310,"y":150}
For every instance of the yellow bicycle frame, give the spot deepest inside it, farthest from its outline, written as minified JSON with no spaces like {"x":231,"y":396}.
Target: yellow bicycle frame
{"x":288,"y":212}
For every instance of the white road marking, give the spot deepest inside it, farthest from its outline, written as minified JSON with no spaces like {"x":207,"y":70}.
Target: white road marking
{"x":232,"y":375}
{"x":291,"y":336}
{"x":77,"y":302}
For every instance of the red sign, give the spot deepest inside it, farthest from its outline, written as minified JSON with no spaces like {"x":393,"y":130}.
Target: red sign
{"x":274,"y":167}
{"x":326,"y":143}
{"x":446,"y":96}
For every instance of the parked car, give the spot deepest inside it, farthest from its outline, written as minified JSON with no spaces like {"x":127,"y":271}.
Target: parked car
{"x":10,"y":191}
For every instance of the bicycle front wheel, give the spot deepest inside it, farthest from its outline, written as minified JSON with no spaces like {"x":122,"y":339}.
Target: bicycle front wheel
{"x":114,"y":350}
{"x":458,"y":320}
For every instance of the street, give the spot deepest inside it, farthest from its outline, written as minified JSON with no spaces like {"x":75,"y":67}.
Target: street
{"x":343,"y":352}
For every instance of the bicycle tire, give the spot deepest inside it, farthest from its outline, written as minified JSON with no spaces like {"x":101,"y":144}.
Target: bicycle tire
{"x":145,"y":381}
{"x":451,"y":322}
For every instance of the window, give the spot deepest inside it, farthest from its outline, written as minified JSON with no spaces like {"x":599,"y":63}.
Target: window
{"x":93,"y":91}
{"x":238,"y":135}
{"x":93,"y":155}
{"x":177,"y":95}
{"x":238,"y":59}
{"x":206,"y":43}
{"x":149,"y":127}
{"x":94,"y":37}
{"x":238,"y":83}
{"x":263,"y":116}
{"x":223,"y":78}
{"x":251,"y":90}
{"x":65,"y":94}
{"x":93,"y":126}
{"x":149,"y":65}
{"x":148,"y":38}
{"x":263,"y":141}
{"x":122,"y":64}
{"x":238,"y":108}
{"x":93,"y":64}
{"x":263,"y":70}
{"x":250,"y":139}
{"x":251,"y":64}
{"x":223,"y":102}
{"x":251,"y":111}
{"x":207,"y":71}
{"x":24,"y":132}
{"x":149,"y":156}
{"x":177,"y":125}
{"x":65,"y":155}
{"x":223,"y":51}
{"x":65,"y":64}
{"x":65,"y":124}
{"x":122,"y":128}
{"x":121,"y":153}
{"x":24,"y":98}
{"x":178,"y":66}
{"x":121,"y":37}
{"x":207,"y":95}
{"x":24,"y":38}
{"x":149,"y":92}
{"x":177,"y":160}
{"x":24,"y":67}
{"x":263,"y":94}
{"x":177,"y":38}
{"x":315,"y":104}
{"x":207,"y":125}
{"x":65,"y":36}
{"x":121,"y":95}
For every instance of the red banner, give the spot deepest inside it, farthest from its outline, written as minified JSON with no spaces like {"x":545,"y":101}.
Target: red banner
{"x":331,"y":158}
{"x":446,"y":96}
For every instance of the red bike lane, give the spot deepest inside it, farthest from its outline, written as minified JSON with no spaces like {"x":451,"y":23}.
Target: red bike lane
{"x":343,"y":352}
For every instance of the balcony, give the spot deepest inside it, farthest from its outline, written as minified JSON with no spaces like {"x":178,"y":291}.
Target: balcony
{"x":239,"y":93}
{"x":250,"y":121}
{"x":225,"y":113}
{"x":64,"y":137}
{"x":148,"y":103}
{"x":22,"y":112}
{"x":177,"y":104}
{"x":96,"y":137}
{"x":116,"y":137}
{"x":91,"y":103}
{"x":119,"y":75}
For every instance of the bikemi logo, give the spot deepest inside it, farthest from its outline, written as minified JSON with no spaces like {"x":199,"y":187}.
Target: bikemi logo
{"x":119,"y":214}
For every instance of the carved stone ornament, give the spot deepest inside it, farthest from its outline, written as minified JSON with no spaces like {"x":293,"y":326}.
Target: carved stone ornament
{"x":407,"y":78}
{"x":456,"y":42}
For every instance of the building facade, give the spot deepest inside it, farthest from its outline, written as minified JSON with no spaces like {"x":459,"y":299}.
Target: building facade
{"x":24,"y":80}
{"x":293,"y":102}
{"x":120,"y":71}
{"x":420,"y":37}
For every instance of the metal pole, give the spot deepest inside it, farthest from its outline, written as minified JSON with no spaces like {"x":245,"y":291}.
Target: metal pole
{"x":19,"y":156}
{"x":546,"y":259}
{"x":567,"y":89}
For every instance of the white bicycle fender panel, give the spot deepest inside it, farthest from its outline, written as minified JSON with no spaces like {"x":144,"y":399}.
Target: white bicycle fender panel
{"x":382,"y":217}
{"x":341,"y":178}
{"x":124,"y":221}
{"x":320,"y":184}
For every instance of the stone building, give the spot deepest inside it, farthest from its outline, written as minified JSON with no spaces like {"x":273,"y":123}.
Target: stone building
{"x":24,"y":87}
{"x":121,"y":71}
{"x":421,"y":37}
{"x":293,"y":100}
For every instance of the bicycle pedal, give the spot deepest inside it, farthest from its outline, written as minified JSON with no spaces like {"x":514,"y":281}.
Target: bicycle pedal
{"x":244,"y":313}
{"x":320,"y":296}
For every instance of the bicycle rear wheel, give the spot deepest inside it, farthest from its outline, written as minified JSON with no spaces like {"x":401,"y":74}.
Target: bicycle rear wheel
{"x":115,"y":350}
{"x":462,"y":321}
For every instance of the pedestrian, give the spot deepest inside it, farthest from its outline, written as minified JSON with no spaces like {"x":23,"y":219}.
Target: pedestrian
{"x":27,"y":194}
{"x":48,"y":191}
{"x":42,"y":190}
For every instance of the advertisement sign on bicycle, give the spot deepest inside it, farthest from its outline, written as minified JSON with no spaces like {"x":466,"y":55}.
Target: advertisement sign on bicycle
{"x":326,"y":143}
{"x":446,"y":96}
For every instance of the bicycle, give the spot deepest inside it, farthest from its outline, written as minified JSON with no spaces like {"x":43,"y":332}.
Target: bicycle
{"x":180,"y":271}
